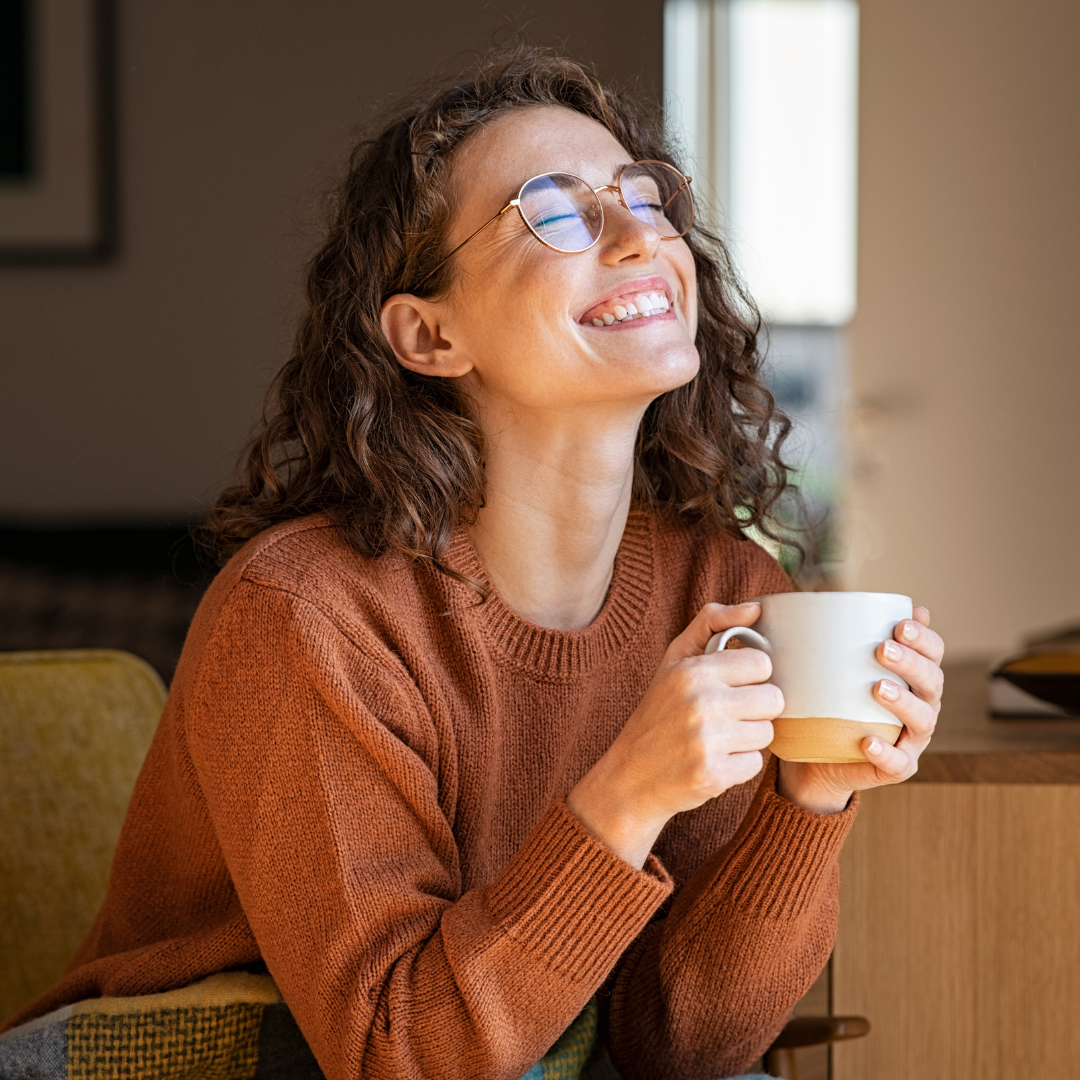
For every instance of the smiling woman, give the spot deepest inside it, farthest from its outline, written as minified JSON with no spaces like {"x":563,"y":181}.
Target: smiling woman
{"x":444,"y":754}
{"x":436,"y":176}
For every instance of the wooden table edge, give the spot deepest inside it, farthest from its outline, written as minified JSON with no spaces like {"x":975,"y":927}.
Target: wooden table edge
{"x":999,"y":767}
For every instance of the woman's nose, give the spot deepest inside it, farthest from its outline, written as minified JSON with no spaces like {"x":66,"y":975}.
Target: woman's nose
{"x":625,"y":236}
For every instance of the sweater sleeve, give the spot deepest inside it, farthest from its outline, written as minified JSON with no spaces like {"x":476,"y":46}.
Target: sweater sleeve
{"x":705,"y":989}
{"x":319,"y":775}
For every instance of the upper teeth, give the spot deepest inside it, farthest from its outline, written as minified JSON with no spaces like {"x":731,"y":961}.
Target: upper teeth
{"x":638,"y":307}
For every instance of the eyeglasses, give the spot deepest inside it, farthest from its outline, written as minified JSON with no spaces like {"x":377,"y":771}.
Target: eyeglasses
{"x":565,"y":214}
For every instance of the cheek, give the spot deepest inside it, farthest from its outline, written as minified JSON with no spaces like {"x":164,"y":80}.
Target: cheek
{"x":525,"y":303}
{"x":683,"y":264}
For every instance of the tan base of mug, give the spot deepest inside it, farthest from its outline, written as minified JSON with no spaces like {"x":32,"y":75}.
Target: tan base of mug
{"x":826,"y":738}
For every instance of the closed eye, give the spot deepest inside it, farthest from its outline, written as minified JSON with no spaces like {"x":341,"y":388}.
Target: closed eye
{"x":554,"y":219}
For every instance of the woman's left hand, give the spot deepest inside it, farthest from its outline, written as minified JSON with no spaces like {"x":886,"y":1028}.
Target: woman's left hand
{"x":915,"y":655}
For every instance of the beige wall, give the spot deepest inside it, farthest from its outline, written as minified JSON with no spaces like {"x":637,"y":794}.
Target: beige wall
{"x":127,"y":389}
{"x":965,"y":363}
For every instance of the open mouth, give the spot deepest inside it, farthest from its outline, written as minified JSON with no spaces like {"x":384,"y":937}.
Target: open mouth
{"x":627,"y":307}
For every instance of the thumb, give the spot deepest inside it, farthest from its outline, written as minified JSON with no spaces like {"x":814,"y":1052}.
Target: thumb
{"x":711,"y":619}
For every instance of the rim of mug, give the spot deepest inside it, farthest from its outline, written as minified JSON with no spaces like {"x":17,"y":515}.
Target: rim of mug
{"x":830,"y":592}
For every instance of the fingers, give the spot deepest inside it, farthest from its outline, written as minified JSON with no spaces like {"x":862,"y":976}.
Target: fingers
{"x":733,"y":756}
{"x":711,"y":619}
{"x":734,"y":667}
{"x":762,"y":701}
{"x":743,"y":767}
{"x":921,"y":673}
{"x":916,"y":634}
{"x":742,"y":736}
{"x":893,"y":764}
{"x":707,"y":698}
{"x":919,"y":717}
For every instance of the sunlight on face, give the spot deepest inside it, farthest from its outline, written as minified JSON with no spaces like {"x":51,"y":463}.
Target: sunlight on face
{"x":547,"y":329}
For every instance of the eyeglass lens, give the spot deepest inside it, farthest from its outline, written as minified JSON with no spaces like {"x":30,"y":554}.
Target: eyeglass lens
{"x":659,"y":195}
{"x":565,"y":213}
{"x":562,"y":210}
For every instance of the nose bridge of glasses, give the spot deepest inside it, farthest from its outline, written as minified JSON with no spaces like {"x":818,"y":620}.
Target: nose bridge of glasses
{"x":620,"y":198}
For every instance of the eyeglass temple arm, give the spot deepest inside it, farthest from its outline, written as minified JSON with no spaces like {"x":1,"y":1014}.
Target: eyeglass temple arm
{"x":495,"y":217}
{"x":682,"y":187}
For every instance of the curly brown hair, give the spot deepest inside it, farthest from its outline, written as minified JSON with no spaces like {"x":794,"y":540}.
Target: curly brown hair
{"x":396,"y":458}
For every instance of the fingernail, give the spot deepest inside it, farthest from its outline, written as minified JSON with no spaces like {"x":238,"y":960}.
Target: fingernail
{"x":892,"y":650}
{"x":874,"y":747}
{"x":910,"y":631}
{"x":888,"y":690}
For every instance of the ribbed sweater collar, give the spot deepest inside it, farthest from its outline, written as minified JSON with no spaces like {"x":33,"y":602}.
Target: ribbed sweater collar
{"x":560,"y":654}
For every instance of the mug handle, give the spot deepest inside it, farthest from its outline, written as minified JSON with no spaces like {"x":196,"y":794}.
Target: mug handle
{"x":718,"y":641}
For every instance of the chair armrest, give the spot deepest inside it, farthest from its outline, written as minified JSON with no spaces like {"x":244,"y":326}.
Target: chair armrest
{"x":816,"y":1030}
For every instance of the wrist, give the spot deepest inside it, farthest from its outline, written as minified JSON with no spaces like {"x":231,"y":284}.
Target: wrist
{"x":613,"y":820}
{"x":811,"y":793}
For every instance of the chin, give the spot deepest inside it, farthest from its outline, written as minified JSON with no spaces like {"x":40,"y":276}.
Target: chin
{"x":661,"y":370}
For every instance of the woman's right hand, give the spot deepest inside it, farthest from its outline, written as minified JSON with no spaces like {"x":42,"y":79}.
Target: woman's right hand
{"x":698,"y":731}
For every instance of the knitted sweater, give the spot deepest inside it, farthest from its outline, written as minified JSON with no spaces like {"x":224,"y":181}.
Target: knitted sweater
{"x":359,"y":780}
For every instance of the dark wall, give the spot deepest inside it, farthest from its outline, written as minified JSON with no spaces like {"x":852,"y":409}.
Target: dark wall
{"x":127,"y":389}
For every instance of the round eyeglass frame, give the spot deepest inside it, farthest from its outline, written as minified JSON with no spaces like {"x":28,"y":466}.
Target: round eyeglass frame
{"x":616,"y":187}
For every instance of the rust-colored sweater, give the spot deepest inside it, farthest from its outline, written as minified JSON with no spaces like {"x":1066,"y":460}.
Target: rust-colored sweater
{"x":359,"y":779}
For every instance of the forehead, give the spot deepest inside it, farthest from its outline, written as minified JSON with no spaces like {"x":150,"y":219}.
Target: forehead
{"x":499,"y":158}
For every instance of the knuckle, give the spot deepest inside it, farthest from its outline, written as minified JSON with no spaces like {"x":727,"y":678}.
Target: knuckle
{"x":762,"y":663}
{"x":903,"y":774}
{"x":694,"y":721}
{"x":706,"y":774}
{"x":685,"y":680}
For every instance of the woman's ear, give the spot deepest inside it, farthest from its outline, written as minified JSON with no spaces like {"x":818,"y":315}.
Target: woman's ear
{"x":417,"y":336}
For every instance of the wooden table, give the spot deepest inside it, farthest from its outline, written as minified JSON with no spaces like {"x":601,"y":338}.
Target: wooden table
{"x":960,"y":905}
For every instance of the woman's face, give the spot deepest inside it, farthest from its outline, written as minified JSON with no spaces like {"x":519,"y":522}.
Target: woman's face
{"x":519,"y":321}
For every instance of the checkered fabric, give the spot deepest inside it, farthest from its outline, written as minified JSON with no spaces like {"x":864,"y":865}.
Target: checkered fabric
{"x":231,"y":1026}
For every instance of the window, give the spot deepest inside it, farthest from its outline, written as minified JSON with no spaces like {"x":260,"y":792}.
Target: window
{"x":763,"y":96}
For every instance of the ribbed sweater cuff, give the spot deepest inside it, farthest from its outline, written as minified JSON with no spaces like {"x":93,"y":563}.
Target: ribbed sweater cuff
{"x":782,"y":854}
{"x":572,"y":900}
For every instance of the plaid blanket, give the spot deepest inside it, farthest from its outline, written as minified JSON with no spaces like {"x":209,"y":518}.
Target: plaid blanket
{"x":231,"y":1026}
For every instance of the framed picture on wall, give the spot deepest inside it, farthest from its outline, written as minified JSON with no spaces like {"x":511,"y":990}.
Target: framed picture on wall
{"x":57,"y":182}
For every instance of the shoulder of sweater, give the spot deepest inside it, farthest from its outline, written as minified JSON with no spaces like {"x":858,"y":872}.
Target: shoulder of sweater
{"x":312,"y":559}
{"x":309,"y":561}
{"x":717,"y":553}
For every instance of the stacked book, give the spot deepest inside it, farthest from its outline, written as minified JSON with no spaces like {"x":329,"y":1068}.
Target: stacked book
{"x":1042,"y":681}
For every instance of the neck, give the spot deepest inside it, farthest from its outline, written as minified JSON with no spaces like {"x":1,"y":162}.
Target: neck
{"x":558,"y":495}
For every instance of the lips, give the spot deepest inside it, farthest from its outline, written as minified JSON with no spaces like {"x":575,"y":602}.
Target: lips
{"x":635,"y":300}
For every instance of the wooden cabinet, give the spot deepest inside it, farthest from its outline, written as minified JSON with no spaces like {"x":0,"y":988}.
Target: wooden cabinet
{"x":960,"y":906}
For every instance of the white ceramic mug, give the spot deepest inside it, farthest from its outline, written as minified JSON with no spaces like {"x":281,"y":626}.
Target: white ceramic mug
{"x":822,"y":647}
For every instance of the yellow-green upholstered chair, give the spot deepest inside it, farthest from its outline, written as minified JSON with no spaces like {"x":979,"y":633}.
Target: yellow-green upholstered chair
{"x":75,"y":726}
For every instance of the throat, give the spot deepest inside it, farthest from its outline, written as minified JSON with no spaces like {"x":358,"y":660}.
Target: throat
{"x":564,"y":604}
{"x":557,"y":578}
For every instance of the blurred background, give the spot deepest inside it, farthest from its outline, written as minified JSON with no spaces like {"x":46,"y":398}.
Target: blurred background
{"x":898,"y":181}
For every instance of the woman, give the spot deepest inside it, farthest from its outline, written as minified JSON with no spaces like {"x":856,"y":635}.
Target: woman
{"x":443,"y":749}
